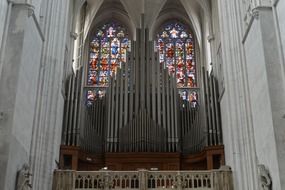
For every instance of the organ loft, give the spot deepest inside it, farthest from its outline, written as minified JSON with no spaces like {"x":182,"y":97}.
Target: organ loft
{"x":139,"y":94}
{"x":141,"y":102}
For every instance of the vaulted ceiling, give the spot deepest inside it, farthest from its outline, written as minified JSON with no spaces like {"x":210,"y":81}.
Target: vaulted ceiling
{"x":196,"y":11}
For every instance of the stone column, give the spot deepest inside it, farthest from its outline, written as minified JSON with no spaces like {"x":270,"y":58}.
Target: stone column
{"x":179,"y":181}
{"x":143,"y":179}
{"x":63,"y":180}
{"x":18,"y":86}
{"x":223,"y":179}
{"x":267,"y":91}
{"x":49,"y":109}
{"x":235,"y":104}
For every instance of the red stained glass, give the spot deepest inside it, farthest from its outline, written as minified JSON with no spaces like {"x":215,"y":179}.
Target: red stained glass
{"x":108,"y":51}
{"x":189,"y":96}
{"x":175,"y":46}
{"x":94,"y":94}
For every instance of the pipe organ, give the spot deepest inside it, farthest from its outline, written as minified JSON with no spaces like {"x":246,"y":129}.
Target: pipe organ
{"x":141,"y":111}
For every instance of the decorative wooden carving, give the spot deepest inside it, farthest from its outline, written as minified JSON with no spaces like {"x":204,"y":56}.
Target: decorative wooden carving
{"x":209,"y":158}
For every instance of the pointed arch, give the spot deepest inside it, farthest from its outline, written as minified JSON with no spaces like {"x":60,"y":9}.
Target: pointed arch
{"x":176,"y":52}
{"x":108,"y":10}
{"x":109,"y":45}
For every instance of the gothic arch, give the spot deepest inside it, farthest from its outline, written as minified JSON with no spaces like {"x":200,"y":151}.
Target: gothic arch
{"x":116,"y":16}
{"x":199,"y":13}
{"x":167,"y":17}
{"x":190,"y":14}
{"x":170,"y":10}
{"x":108,"y":10}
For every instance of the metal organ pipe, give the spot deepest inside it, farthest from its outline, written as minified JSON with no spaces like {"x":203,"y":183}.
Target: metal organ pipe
{"x":142,"y":111}
{"x":126,"y":90}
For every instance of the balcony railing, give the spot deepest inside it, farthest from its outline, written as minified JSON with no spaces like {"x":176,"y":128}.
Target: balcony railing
{"x":143,"y":179}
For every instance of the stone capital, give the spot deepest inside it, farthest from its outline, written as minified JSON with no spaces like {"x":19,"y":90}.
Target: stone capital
{"x":28,"y":6}
{"x":210,"y":38}
{"x":73,"y":35}
{"x":255,"y":14}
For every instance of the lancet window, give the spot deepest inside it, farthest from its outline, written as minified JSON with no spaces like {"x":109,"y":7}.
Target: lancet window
{"x":108,"y":51}
{"x":175,"y":44}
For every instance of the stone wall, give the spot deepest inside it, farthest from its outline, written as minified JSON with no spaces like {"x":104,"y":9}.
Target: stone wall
{"x":3,"y":16}
{"x":260,"y":95}
{"x":31,"y":98}
{"x":18,"y":86}
{"x":279,"y":6}
{"x":49,"y":109}
{"x":251,"y":40}
{"x":38,"y":42}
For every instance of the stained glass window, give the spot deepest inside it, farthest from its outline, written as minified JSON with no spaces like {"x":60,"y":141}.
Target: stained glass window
{"x":175,"y":45}
{"x":189,"y":96}
{"x":94,"y":94}
{"x":108,"y":51}
{"x":176,"y":52}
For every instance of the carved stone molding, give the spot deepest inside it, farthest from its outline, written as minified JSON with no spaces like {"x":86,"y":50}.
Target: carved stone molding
{"x":255,"y":13}
{"x":252,"y":14}
{"x":31,"y":13}
{"x":252,"y":9}
{"x":23,"y":178}
{"x":73,"y":35}
{"x":29,"y":7}
{"x":210,"y":38}
{"x":248,"y":14}
{"x":264,"y":3}
{"x":143,"y":179}
{"x":2,"y":115}
{"x":264,"y":177}
{"x":31,"y":10}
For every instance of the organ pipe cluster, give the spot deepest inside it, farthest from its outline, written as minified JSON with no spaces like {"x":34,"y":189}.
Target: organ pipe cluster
{"x":140,"y":112}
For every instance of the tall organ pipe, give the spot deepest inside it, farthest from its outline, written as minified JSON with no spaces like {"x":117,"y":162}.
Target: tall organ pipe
{"x":142,"y":111}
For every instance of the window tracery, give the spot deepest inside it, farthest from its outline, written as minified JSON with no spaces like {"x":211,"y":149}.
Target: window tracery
{"x":108,"y":51}
{"x":175,"y":44}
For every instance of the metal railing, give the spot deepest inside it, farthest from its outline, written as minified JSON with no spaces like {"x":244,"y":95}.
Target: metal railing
{"x":143,"y":179}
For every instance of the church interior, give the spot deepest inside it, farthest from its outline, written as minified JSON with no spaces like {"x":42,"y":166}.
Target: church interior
{"x":145,"y":94}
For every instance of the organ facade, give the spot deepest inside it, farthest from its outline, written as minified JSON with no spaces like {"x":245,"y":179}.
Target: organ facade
{"x":140,"y":97}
